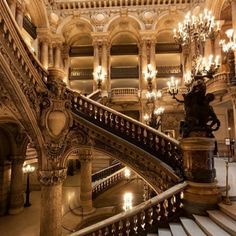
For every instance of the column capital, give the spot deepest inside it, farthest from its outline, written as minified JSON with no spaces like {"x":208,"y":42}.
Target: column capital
{"x":100,"y":39}
{"x":85,"y":154}
{"x":52,"y":177}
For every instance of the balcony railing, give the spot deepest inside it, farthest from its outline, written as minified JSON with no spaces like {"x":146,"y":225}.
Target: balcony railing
{"x":168,"y":48}
{"x":218,"y":84}
{"x":125,"y":95}
{"x":82,"y":4}
{"x":167,"y":71}
{"x":124,"y":72}
{"x":81,"y":74}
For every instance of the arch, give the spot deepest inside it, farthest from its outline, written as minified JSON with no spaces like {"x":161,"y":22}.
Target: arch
{"x":215,"y":7}
{"x":117,"y":20}
{"x":168,"y":21}
{"x":118,"y":33}
{"x":71,"y":20}
{"x":38,"y":13}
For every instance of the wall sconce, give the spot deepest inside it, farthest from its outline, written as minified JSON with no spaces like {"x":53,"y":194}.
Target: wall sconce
{"x":99,"y":76}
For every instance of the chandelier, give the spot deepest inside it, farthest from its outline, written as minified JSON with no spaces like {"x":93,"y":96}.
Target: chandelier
{"x":196,"y":28}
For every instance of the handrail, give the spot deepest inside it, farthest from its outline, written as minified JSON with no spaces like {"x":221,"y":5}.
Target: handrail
{"x":94,"y":95}
{"x":29,"y":63}
{"x":106,"y":172}
{"x":140,"y":218}
{"x":156,"y":143}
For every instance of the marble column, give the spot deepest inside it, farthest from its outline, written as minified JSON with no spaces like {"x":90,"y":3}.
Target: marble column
{"x":105,"y":65}
{"x":16,"y":189}
{"x":97,"y":59}
{"x":20,"y":9}
{"x":12,"y":5}
{"x":51,"y":201}
{"x":144,"y":63}
{"x":44,"y":52}
{"x":66,"y":62}
{"x":153,"y":60}
{"x":233,"y":5}
{"x":85,"y":157}
{"x":5,"y":170}
{"x":50,"y":56}
{"x":57,"y":56}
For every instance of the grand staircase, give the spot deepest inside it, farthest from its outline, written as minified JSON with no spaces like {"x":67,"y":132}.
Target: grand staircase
{"x":220,"y":222}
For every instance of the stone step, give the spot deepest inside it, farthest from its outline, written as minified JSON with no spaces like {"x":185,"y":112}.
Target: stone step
{"x":210,"y":227}
{"x":191,"y":227}
{"x":164,"y":232}
{"x":224,"y":221}
{"x":177,"y":229}
{"x":152,"y":234}
{"x":230,"y":210}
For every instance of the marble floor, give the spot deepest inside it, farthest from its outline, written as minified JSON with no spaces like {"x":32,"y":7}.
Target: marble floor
{"x":27,"y":222}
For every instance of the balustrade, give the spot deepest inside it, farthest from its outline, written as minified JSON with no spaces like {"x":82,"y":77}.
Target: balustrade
{"x":154,"y":142}
{"x":142,"y":218}
{"x":114,"y":3}
{"x":218,"y":83}
{"x":167,"y":71}
{"x":108,"y":182}
{"x":106,"y":172}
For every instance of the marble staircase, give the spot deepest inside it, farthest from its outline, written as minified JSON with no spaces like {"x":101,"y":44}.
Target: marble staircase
{"x":221,"y":222}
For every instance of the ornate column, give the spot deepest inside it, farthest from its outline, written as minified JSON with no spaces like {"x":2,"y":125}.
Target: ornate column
{"x":20,"y":9}
{"x":85,"y":157}
{"x":50,"y":56}
{"x":143,"y":63}
{"x":97,"y":59}
{"x":16,"y":189}
{"x":105,"y":56}
{"x":12,"y":5}
{"x":57,"y":55}
{"x":51,"y":201}
{"x":44,"y":51}
{"x":5,"y":168}
{"x":66,"y":61}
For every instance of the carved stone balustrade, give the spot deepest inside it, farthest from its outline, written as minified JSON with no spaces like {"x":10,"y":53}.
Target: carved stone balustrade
{"x":108,"y":182}
{"x":125,"y":95}
{"x":218,"y":85}
{"x":143,"y":218}
{"x":168,"y":71}
{"x":83,"y":74}
{"x":74,"y":5}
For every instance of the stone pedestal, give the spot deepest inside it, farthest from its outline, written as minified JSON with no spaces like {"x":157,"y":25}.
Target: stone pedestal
{"x":51,"y":202}
{"x":16,"y":190}
{"x":202,"y":193}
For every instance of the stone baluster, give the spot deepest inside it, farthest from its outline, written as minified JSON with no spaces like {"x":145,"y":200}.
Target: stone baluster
{"x":51,"y":199}
{"x":20,"y":10}
{"x":5,"y":170}
{"x":85,"y":157}
{"x":16,"y":189}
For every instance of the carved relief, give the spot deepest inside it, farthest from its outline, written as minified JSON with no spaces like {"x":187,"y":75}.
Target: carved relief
{"x":52,"y":177}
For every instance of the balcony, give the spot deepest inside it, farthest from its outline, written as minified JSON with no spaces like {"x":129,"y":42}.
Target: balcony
{"x":127,"y":95}
{"x":81,"y":51}
{"x":168,"y":48}
{"x":218,"y":85}
{"x":80,"y":74}
{"x":167,"y":71}
{"x":124,"y":72}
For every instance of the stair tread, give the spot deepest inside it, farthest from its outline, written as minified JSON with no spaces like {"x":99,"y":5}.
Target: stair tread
{"x":177,"y":229}
{"x":191,"y":227}
{"x":223,"y":220}
{"x":164,"y":232}
{"x":210,"y":227}
{"x":152,"y":234}
{"x":229,"y":209}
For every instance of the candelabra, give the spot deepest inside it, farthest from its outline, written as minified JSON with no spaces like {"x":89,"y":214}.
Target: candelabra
{"x":27,"y":170}
{"x":230,"y":47}
{"x":99,"y":76}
